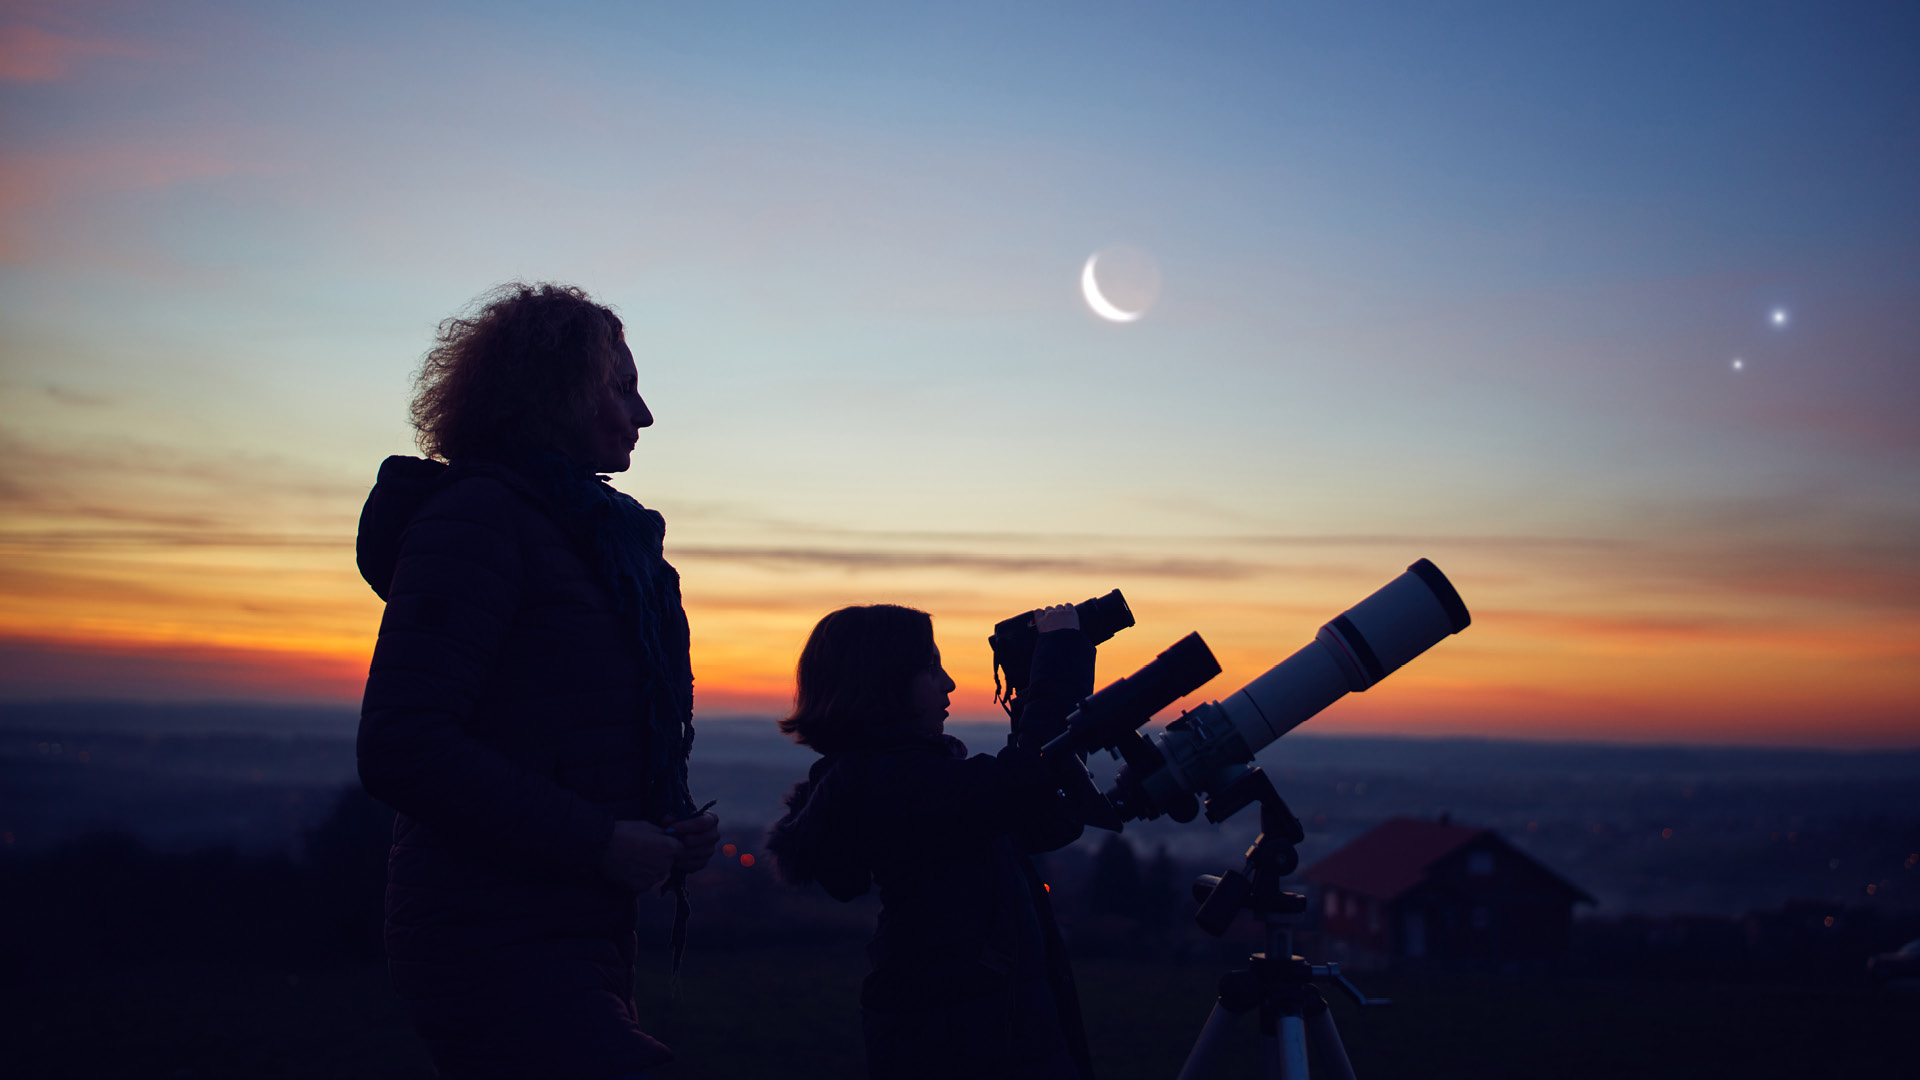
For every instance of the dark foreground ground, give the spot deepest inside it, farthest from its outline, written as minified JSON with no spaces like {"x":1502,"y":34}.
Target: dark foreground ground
{"x":788,"y":1012}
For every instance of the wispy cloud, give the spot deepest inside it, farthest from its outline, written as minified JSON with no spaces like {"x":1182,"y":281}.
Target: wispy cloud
{"x":735,"y":515}
{"x":32,"y":54}
{"x":66,"y":395}
{"x":1678,"y":631}
{"x":1802,"y":543}
{"x":137,"y":540}
{"x":69,"y":539}
{"x":37,"y":176}
{"x":1419,"y":541}
{"x":1212,"y":569}
{"x":42,"y":669}
{"x":32,"y":180}
{"x":67,"y":476}
{"x":1882,"y":423}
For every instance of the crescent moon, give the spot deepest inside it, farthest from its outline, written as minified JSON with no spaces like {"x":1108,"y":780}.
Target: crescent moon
{"x":1101,"y":305}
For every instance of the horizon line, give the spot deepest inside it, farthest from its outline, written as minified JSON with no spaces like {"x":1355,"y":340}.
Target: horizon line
{"x":973,"y":723}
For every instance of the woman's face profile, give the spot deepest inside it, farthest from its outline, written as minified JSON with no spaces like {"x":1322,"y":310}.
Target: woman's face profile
{"x":927,"y":697}
{"x":618,"y":415}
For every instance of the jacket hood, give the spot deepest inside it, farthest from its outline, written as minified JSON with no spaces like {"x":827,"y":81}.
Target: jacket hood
{"x":816,"y":840}
{"x":820,"y":838}
{"x":403,"y":486}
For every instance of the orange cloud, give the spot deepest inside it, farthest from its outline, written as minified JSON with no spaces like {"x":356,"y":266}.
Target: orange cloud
{"x":29,"y":54}
{"x":32,"y":181}
{"x":133,"y":571}
{"x":108,"y":670}
{"x":29,"y":179}
{"x":1628,"y":714}
{"x":956,"y":560}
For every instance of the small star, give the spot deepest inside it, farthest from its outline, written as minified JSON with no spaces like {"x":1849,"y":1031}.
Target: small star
{"x":1738,"y":363}
{"x":1779,"y":316}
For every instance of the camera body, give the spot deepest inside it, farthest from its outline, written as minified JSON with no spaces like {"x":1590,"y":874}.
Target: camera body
{"x":1013,"y":641}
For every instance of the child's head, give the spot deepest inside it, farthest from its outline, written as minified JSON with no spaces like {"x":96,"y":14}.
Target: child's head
{"x":868,"y":674}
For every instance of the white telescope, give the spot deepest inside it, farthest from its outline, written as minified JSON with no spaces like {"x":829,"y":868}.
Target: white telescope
{"x":1210,"y":745}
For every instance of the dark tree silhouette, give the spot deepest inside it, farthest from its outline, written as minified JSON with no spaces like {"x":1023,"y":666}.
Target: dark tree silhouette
{"x":1113,"y":885}
{"x":1160,"y":888}
{"x":346,"y":859}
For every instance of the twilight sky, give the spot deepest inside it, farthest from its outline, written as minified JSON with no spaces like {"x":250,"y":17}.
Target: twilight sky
{"x":1612,"y":310}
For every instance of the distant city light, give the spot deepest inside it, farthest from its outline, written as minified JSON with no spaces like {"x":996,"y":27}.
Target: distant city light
{"x":729,"y":850}
{"x":1666,"y":834}
{"x":746,"y":860}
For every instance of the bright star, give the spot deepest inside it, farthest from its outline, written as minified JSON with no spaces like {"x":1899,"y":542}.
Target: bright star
{"x":1779,"y":316}
{"x":1738,"y":363}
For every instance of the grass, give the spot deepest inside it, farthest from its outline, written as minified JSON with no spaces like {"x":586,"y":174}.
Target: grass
{"x":792,"y":1012}
{"x":171,"y":1024}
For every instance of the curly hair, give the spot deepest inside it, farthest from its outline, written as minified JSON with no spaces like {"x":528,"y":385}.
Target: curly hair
{"x":854,"y":673}
{"x":522,"y":370}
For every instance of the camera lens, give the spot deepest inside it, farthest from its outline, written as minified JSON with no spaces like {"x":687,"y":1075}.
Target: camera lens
{"x":1104,"y":616}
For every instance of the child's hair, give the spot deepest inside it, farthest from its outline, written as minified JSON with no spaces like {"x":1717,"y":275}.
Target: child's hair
{"x":853,"y":674}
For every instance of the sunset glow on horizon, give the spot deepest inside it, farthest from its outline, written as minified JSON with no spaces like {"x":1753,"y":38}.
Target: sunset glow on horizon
{"x":1515,"y":295}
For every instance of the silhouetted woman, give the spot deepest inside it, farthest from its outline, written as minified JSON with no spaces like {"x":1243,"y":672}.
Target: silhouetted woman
{"x":528,"y":710}
{"x":969,"y":975}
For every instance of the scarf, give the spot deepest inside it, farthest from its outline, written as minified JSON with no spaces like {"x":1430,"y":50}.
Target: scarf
{"x":624,"y":543}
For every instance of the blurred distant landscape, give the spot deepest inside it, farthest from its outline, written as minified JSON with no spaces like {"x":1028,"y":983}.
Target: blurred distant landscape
{"x":1644,"y":829}
{"x":210,"y":879}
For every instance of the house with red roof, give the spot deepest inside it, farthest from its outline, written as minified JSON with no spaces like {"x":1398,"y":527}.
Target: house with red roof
{"x":1421,"y":893}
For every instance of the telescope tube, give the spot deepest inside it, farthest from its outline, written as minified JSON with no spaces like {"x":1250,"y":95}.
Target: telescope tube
{"x":1366,"y":643}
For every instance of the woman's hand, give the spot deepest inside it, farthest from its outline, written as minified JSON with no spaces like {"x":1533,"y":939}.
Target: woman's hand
{"x":641,"y":854}
{"x":1057,"y":617}
{"x":697,"y":836}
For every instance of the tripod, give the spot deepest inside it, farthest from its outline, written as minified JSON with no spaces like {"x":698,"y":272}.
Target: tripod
{"x":1294,"y":1017}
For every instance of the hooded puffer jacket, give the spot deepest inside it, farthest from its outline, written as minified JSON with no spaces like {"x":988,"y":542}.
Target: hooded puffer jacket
{"x":504,"y":720}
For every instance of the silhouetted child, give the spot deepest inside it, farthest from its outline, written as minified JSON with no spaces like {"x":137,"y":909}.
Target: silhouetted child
{"x":970,"y":978}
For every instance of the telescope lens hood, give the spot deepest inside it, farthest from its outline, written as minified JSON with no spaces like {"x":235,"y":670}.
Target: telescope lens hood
{"x":1444,"y":592}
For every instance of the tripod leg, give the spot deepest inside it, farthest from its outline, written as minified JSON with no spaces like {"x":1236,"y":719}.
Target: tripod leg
{"x":1206,"y":1048}
{"x":1286,"y":1052}
{"x":1328,"y":1051}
